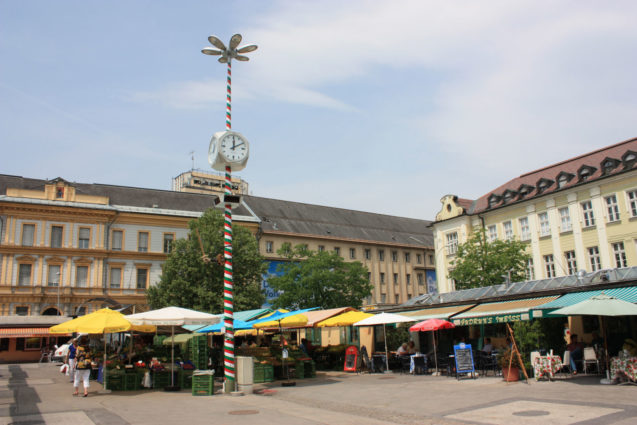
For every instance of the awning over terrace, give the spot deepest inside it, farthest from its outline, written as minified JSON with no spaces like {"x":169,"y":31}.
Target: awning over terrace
{"x":628,"y":294}
{"x":436,"y":313}
{"x":500,"y":312}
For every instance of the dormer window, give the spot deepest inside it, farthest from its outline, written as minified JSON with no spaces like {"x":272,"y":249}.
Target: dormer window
{"x":493,"y":200}
{"x":525,"y":190}
{"x":563,"y":178}
{"x":609,"y":164}
{"x":585,"y":172}
{"x":508,"y":196}
{"x":543,"y":184}
{"x":629,"y":159}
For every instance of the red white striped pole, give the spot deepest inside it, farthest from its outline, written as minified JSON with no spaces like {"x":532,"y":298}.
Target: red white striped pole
{"x":228,"y":287}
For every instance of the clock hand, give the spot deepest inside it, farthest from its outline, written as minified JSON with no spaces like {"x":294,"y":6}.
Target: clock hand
{"x":242,"y":143}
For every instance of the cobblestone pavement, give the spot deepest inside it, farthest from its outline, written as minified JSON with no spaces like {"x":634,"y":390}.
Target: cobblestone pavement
{"x":32,"y":394}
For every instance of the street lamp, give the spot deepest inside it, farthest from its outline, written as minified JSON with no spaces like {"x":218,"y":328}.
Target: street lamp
{"x":58,"y":283}
{"x":226,"y":54}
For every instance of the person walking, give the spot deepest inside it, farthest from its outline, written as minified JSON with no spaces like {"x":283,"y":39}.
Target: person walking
{"x":82,"y":368}
{"x":70,"y":360}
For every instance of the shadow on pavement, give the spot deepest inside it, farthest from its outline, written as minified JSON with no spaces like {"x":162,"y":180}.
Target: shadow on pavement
{"x":25,"y":398}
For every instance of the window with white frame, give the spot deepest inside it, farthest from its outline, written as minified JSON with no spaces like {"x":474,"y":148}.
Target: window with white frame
{"x":352,"y":253}
{"x":407,"y":257}
{"x":81,"y":276}
{"x":632,"y":202}
{"x":368,"y":254}
{"x":116,"y":278}
{"x":337,"y":250}
{"x":565,"y":220}
{"x":508,"y":230}
{"x":53,"y":275}
{"x":56,"y":236}
{"x":382,"y":277}
{"x":593,"y":258}
{"x":169,"y":238}
{"x":381,"y":255}
{"x":24,"y":274}
{"x":493,"y":233}
{"x":549,"y":264}
{"x":587,"y":213}
{"x":620,"y":254}
{"x":530,"y":269}
{"x":84,"y":238}
{"x":545,"y":227}
{"x":612,"y":208}
{"x":28,"y":234}
{"x":452,"y":245}
{"x":142,"y":278}
{"x":394,"y":256}
{"x":321,"y":248}
{"x":269,"y":246}
{"x":525,"y":230}
{"x":118,"y":237}
{"x":142,"y":241}
{"x":571,"y":262}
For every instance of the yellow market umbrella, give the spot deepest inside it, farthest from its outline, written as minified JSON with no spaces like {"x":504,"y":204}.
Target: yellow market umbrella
{"x":99,"y":322}
{"x":345,"y":319}
{"x":295,"y":321}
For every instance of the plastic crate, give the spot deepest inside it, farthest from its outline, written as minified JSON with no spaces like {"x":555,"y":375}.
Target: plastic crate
{"x":300,"y":370}
{"x":115,"y":381}
{"x":203,"y":384}
{"x":258,"y":374}
{"x":268,"y":375}
{"x":131,"y":382}
{"x":161,"y":379}
{"x":185,"y":379}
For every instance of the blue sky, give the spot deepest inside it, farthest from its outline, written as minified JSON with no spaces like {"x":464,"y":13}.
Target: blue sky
{"x":370,"y":105}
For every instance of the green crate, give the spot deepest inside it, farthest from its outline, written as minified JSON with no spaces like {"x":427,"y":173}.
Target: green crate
{"x":259,"y":374}
{"x":185,"y":379}
{"x":203,"y":384}
{"x":161,"y":379}
{"x":268,"y":375}
{"x":300,"y":370}
{"x":115,"y":381}
{"x":131,"y":382}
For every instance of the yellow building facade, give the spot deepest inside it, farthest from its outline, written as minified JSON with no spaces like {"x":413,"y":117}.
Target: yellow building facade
{"x":579,"y":214}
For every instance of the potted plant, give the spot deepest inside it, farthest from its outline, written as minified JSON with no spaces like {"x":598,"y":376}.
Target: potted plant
{"x":512,"y":373}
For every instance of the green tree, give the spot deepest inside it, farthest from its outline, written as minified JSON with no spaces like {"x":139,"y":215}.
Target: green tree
{"x":479,"y":262}
{"x":190,"y":282}
{"x":319,"y":279}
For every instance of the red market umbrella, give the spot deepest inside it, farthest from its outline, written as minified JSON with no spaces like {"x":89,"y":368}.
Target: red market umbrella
{"x":432,"y":325}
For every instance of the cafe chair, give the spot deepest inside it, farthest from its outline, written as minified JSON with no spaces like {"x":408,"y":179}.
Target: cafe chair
{"x":420,"y":365}
{"x":590,"y":358}
{"x":405,"y":364}
{"x":534,"y":355}
{"x":566,"y":363}
{"x":45,"y":355}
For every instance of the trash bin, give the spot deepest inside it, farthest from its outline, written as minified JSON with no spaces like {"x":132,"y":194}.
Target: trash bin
{"x":245,"y":373}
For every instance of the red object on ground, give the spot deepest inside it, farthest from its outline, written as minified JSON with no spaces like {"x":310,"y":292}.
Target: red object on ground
{"x":351,"y":359}
{"x":431,"y":325}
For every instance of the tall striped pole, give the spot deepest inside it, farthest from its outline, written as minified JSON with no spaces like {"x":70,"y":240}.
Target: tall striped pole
{"x":228,"y":287}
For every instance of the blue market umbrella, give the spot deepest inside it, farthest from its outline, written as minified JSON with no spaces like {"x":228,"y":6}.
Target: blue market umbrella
{"x":239,"y":325}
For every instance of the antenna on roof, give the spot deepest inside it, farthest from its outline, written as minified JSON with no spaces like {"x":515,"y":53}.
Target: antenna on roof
{"x":192,"y":156}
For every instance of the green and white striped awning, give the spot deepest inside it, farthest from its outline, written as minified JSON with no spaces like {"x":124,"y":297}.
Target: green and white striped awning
{"x":500,"y":312}
{"x":628,"y":294}
{"x":435,"y":312}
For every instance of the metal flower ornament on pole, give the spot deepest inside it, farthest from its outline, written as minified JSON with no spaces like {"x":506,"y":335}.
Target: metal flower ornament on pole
{"x":228,"y":152}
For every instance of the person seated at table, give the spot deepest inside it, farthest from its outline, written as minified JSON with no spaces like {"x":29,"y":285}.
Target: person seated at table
{"x":411,"y":348}
{"x":577,"y":352}
{"x":402,"y":350}
{"x":488,"y":347}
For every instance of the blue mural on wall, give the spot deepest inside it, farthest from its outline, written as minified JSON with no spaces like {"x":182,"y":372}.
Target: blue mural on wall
{"x":432,"y":286}
{"x":270,"y":294}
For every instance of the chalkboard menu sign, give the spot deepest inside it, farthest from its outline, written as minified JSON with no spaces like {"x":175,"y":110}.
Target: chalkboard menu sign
{"x":464,"y":358}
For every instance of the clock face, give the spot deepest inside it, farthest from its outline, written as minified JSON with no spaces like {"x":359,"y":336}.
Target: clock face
{"x":233,"y":147}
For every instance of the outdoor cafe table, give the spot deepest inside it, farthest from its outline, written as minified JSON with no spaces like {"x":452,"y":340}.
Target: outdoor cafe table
{"x":546,"y":366}
{"x":623,"y":367}
{"x":412,"y":366}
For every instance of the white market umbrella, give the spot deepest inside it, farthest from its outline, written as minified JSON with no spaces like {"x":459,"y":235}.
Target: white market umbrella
{"x":384,"y":319}
{"x":173,"y":316}
{"x":600,"y":305}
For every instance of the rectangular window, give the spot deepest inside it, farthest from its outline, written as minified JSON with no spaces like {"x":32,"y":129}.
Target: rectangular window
{"x":394,"y":256}
{"x":381,"y":255}
{"x":620,"y":254}
{"x":565,"y":220}
{"x":545,"y":227}
{"x":452,"y":245}
{"x":419,"y":256}
{"x":397,"y":298}
{"x":321,"y":248}
{"x":493,"y":233}
{"x":612,"y":207}
{"x":352,"y":253}
{"x":587,"y":212}
{"x":142,"y":241}
{"x":116,"y":278}
{"x":508,"y":230}
{"x":421,"y":279}
{"x":24,"y":274}
{"x":382,"y":277}
{"x":632,"y":201}
{"x":83,"y":238}
{"x":550,"y":265}
{"x":118,"y":236}
{"x":142,"y":278}
{"x":368,"y":254}
{"x":168,"y":242}
{"x":269,"y":246}
{"x":337,"y":250}
{"x":408,"y":278}
{"x":431,"y":259}
{"x":530,"y":269}
{"x":407,"y":257}
{"x":81,"y":276}
{"x":56,"y":236}
{"x":395,"y":278}
{"x":28,"y":234}
{"x":593,"y":257}
{"x":53,"y":275}
{"x":571,"y":262}
{"x":22,"y":310}
{"x":525,"y":230}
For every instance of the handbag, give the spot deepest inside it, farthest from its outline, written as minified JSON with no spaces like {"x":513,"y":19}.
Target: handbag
{"x":64,"y":368}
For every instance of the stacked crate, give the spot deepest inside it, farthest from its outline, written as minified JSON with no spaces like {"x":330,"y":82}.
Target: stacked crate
{"x":161,"y":379}
{"x":198,"y":351}
{"x":203,"y":383}
{"x":185,"y":378}
{"x":115,"y":380}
